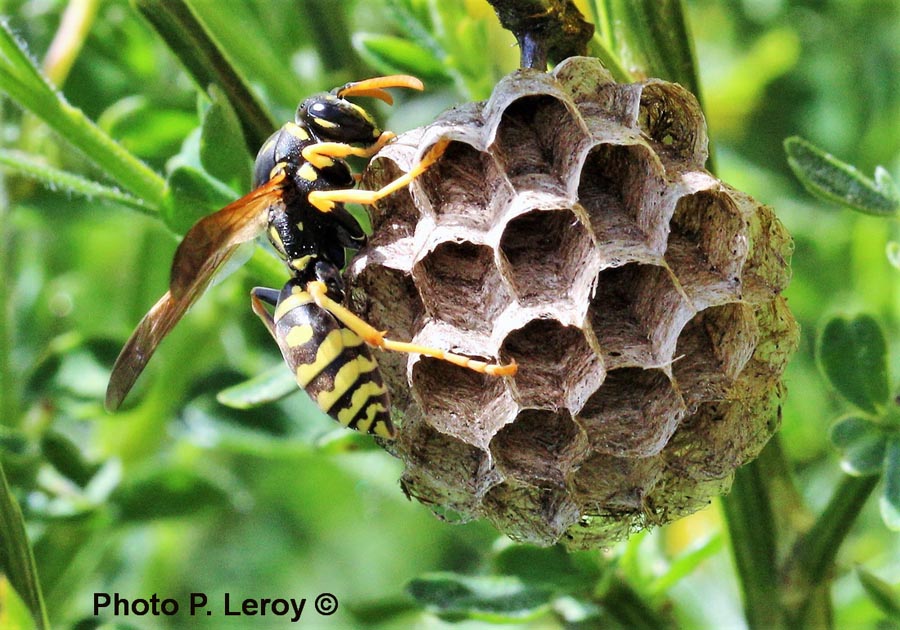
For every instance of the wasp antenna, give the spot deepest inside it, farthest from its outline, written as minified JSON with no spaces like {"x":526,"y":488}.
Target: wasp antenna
{"x":375,"y":87}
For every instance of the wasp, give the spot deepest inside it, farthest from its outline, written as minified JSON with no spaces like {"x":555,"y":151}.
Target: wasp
{"x":301,"y":183}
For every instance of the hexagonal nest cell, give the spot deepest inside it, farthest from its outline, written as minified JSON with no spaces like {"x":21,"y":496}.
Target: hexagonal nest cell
{"x":571,"y":227}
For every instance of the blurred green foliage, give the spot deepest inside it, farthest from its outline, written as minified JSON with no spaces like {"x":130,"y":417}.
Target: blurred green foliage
{"x":178,"y":494}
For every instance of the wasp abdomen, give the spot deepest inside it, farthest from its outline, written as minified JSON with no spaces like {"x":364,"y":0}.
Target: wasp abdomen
{"x":333,"y":364}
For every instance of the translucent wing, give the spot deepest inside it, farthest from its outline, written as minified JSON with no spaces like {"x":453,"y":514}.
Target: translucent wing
{"x":208,"y":244}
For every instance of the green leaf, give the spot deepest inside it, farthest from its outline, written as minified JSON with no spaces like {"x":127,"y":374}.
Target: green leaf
{"x":67,"y":458}
{"x":554,"y":566}
{"x":223,"y":152}
{"x":828,"y":178}
{"x":862,"y":444}
{"x":192,"y":194}
{"x":890,"y":497}
{"x":144,"y":128}
{"x":853,"y":356}
{"x":14,"y":613}
{"x":167,"y":492}
{"x":492,"y":599}
{"x":880,"y":592}
{"x":685,"y":564}
{"x":390,"y":55}
{"x":269,"y":386}
{"x":16,"y":558}
{"x":23,"y":82}
{"x":207,"y":64}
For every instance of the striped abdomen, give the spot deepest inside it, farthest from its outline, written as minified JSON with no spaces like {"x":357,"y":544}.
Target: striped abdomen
{"x":332,"y":363}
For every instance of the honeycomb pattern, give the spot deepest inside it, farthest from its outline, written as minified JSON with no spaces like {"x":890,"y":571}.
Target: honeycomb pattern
{"x":570,"y":226}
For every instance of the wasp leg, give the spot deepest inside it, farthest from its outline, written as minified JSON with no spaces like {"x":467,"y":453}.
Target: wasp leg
{"x":324,"y":200}
{"x":258,"y":295}
{"x":377,"y":339}
{"x":321,"y":154}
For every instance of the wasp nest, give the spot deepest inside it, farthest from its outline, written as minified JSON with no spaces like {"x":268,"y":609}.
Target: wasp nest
{"x":570,"y":226}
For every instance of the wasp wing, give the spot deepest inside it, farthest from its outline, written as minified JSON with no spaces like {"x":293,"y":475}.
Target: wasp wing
{"x":208,"y":244}
{"x":213,"y":238}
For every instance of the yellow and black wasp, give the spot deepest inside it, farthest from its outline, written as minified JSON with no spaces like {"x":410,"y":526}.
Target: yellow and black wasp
{"x":301,"y":184}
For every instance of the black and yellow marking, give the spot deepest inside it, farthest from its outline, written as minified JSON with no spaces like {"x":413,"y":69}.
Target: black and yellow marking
{"x":301,"y":181}
{"x":331,"y":362}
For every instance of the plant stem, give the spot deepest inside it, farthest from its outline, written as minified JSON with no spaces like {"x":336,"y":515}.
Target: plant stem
{"x":24,"y":83}
{"x":811,"y":564}
{"x":751,"y":525}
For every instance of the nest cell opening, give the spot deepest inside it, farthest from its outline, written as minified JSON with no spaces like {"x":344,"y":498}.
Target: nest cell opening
{"x":633,"y":414}
{"x":546,"y":250}
{"x":535,"y":142}
{"x":460,"y":402}
{"x":460,"y":284}
{"x":671,"y":117}
{"x":620,"y":188}
{"x":712,"y":350}
{"x":465,"y":187}
{"x":394,"y":217}
{"x":707,"y":247}
{"x":635,"y":314}
{"x":540,"y":447}
{"x":557,"y":366}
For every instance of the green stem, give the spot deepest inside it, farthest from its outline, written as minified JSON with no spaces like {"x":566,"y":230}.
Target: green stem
{"x":23,"y":82}
{"x":54,"y":179}
{"x":8,"y":400}
{"x":812,"y":562}
{"x":16,"y":557}
{"x":206,"y":63}
{"x":751,"y":526}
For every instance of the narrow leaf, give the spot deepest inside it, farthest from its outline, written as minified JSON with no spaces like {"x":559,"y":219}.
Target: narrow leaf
{"x":486,"y":598}
{"x":861,"y":443}
{"x":890,"y":497}
{"x":223,"y":152}
{"x":685,"y":564}
{"x":880,"y":592}
{"x":16,"y":559}
{"x":167,"y":492}
{"x":853,"y":356}
{"x":207,"y":64}
{"x":22,"y":81}
{"x":14,"y":614}
{"x":828,"y":178}
{"x":269,"y":386}
{"x":393,"y":54}
{"x":56,"y":179}
{"x":64,"y":455}
{"x":192,"y":194}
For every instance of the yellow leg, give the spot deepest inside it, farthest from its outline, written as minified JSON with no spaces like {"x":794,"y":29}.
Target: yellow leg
{"x":320,"y":154}
{"x":324,"y":200}
{"x":377,"y":339}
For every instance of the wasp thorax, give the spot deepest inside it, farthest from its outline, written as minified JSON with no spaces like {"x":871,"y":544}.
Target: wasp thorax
{"x":570,"y":226}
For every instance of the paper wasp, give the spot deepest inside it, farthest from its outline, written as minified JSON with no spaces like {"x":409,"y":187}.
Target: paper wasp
{"x":301,"y":184}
